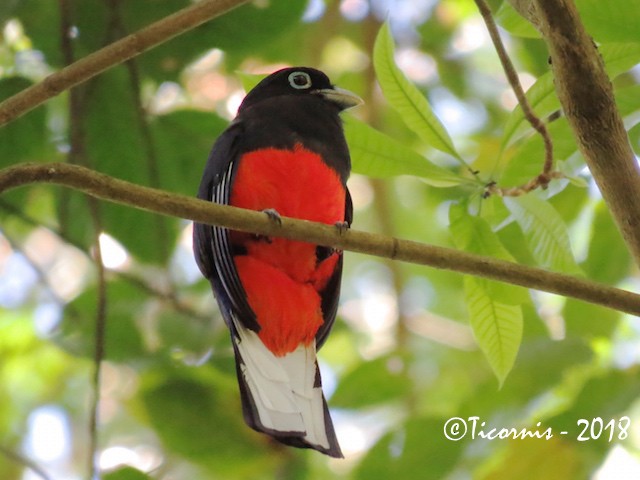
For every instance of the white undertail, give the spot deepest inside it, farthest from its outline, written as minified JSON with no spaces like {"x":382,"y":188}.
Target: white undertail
{"x":283,"y":388}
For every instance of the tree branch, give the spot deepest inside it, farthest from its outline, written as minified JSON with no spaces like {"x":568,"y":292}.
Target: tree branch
{"x":586,"y":95}
{"x":543,"y":179}
{"x":169,"y":297}
{"x":25,"y":462}
{"x":113,"y":54}
{"x":165,"y":203}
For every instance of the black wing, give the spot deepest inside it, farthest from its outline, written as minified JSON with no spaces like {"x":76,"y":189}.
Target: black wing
{"x":331,"y":293}
{"x":211,"y":245}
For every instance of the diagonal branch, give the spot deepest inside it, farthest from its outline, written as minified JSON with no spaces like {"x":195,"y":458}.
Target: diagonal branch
{"x":169,"y":297}
{"x":114,"y":54}
{"x":118,"y":191}
{"x":24,"y":461}
{"x":543,"y":179}
{"x":586,"y":95}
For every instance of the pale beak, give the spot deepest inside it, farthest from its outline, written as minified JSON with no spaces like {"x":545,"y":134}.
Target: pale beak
{"x":341,"y":97}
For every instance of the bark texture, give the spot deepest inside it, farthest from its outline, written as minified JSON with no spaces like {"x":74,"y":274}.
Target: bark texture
{"x":586,"y":95}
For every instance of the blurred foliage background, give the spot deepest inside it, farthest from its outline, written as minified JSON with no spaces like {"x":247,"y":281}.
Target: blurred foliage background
{"x":412,"y":346}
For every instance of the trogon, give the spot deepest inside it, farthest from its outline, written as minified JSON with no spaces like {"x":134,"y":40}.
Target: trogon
{"x":285,"y":153}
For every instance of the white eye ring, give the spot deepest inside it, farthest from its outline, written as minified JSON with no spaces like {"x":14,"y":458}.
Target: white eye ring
{"x":300,"y":80}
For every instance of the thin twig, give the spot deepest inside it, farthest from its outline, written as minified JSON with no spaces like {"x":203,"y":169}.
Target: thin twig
{"x":114,"y":54}
{"x":148,"y":145}
{"x":547,"y":174}
{"x":39,"y":271}
{"x":24,"y":461}
{"x":75,"y":105}
{"x":493,"y":189}
{"x":99,"y":345}
{"x":168,"y":297}
{"x":78,"y":155}
{"x":119,"y":191}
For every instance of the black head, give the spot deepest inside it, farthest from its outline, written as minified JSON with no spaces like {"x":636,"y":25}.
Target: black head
{"x":300,"y":81}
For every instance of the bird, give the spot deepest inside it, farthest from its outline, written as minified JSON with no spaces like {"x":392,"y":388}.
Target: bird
{"x":285,"y":154}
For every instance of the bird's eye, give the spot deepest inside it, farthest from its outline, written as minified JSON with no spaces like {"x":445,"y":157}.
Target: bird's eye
{"x":300,"y":80}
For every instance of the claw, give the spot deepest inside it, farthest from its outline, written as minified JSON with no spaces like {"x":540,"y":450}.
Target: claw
{"x":342,"y":227}
{"x":273,"y":215}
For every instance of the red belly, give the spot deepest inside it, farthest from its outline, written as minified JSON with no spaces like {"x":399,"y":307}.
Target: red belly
{"x":282,"y":278}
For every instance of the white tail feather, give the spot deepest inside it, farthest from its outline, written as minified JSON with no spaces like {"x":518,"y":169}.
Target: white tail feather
{"x":283,"y":387}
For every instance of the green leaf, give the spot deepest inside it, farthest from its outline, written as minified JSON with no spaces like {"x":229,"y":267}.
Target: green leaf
{"x":200,"y":419}
{"x":117,"y":145}
{"x":123,"y":339}
{"x":528,"y":156}
{"x":589,"y":320}
{"x":260,"y":23}
{"x":542,"y":364}
{"x":521,"y":459}
{"x":406,"y":98}
{"x":183,"y":140}
{"x":473,"y":234}
{"x":628,"y":102}
{"x":90,"y":17}
{"x":542,"y":99}
{"x":496,"y":326}
{"x":572,"y":202}
{"x":377,"y":155}
{"x":618,"y":58}
{"x":607,"y":396}
{"x":611,"y":21}
{"x":608,"y":260}
{"x":494,"y":312}
{"x":249,"y":80}
{"x":417,"y":450}
{"x":514,"y":23}
{"x":372,"y":383}
{"x":569,"y":171}
{"x":545,"y":232}
{"x":24,"y":139}
{"x":268,"y":21}
{"x":166,"y":61}
{"x":126,"y":473}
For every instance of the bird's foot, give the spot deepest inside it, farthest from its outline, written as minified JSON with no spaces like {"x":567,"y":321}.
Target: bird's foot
{"x":273,"y":215}
{"x":342,"y":227}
